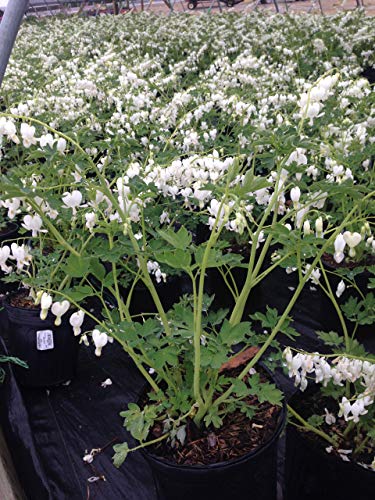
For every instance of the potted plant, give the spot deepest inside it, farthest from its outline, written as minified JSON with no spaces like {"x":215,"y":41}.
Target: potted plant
{"x":330,"y":436}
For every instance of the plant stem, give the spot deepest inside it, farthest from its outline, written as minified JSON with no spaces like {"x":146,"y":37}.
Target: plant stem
{"x":311,"y":427}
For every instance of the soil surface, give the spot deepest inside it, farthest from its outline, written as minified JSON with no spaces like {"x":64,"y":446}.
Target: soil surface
{"x":330,"y":261}
{"x":239,"y":435}
{"x":23,"y":301}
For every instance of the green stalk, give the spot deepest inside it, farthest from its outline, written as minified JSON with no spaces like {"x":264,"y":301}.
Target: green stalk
{"x":150,"y":285}
{"x":239,"y":307}
{"x":310,"y":427}
{"x":119,"y":300}
{"x":332,"y":298}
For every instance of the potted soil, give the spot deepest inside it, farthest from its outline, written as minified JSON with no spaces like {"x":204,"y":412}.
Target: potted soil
{"x":50,"y":351}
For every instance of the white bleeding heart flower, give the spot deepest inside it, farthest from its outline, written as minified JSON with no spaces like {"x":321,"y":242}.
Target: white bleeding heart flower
{"x":46,"y":139}
{"x":59,"y":309}
{"x":28,"y":135}
{"x":106,"y":383}
{"x":319,"y":227}
{"x":21,"y":254}
{"x":8,"y":128}
{"x":100,"y":340}
{"x":352,"y":240}
{"x":61,"y":145}
{"x":76,"y":320}
{"x":13,"y":204}
{"x":295,"y":194}
{"x":90,"y":220}
{"x":340,"y":289}
{"x":37,"y":296}
{"x":298,"y":156}
{"x":45,"y":304}
{"x":4,"y":256}
{"x":32,"y":223}
{"x":339,"y":245}
{"x":72,"y":200}
{"x":306,"y":228}
{"x":329,"y":417}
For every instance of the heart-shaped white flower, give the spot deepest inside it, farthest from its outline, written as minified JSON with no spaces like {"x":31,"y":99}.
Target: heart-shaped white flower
{"x":32,"y":223}
{"x":100,"y":340}
{"x":352,"y":239}
{"x":59,"y":309}
{"x":4,"y":255}
{"x":72,"y":200}
{"x":76,"y":320}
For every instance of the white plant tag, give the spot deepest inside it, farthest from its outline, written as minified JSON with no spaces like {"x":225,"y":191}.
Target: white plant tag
{"x":44,"y":340}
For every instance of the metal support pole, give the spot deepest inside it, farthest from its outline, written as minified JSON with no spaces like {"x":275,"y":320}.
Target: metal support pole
{"x":9,"y":26}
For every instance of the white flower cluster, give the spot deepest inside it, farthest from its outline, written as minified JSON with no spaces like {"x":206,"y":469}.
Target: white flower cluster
{"x":26,"y":135}
{"x":311,"y":101}
{"x":339,"y":371}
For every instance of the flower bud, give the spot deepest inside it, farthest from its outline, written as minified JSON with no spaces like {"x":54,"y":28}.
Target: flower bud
{"x":295,"y":194}
{"x":306,"y":228}
{"x":76,"y":320}
{"x":319,"y":227}
{"x":45,"y":304}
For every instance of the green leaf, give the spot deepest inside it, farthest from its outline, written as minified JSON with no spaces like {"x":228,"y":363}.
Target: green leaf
{"x":249,"y":411}
{"x":121,"y":452}
{"x":180,"y":239}
{"x":97,"y":269}
{"x":178,"y":259}
{"x":230,"y":335}
{"x":315,"y":420}
{"x":213,"y":418}
{"x":331,"y":338}
{"x":252,"y":183}
{"x":77,"y":267}
{"x":240,"y":388}
{"x":264,"y":391}
{"x":79,"y":293}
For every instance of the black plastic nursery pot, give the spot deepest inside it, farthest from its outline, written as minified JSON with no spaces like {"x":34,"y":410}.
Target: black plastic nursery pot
{"x":50,"y":351}
{"x":250,"y":477}
{"x":311,"y":473}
